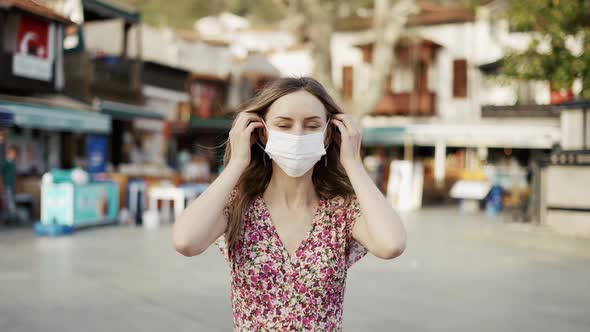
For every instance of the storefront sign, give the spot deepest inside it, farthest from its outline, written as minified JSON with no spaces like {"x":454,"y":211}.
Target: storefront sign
{"x":97,"y":153}
{"x":6,"y":118}
{"x":404,"y":188}
{"x":31,"y":67}
{"x":34,"y":49}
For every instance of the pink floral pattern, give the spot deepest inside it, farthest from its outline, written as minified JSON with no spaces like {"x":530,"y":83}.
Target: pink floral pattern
{"x":271,"y":291}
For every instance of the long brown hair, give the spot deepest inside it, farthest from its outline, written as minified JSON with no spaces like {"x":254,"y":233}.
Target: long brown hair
{"x":329,"y":177}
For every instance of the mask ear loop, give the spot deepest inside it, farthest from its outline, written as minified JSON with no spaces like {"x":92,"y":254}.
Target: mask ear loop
{"x":263,"y":153}
{"x":263,"y":149}
{"x":326,"y":147}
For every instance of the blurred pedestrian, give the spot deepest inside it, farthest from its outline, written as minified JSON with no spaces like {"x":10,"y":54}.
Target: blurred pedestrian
{"x":293,"y":209}
{"x":8,"y":175}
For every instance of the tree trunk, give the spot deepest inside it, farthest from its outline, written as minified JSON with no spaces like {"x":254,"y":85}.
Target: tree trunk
{"x":314,"y":20}
{"x":320,"y":37}
{"x":319,"y":19}
{"x":389,"y":23}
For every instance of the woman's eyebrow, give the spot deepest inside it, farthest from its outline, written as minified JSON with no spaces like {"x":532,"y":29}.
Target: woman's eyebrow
{"x":313,"y":117}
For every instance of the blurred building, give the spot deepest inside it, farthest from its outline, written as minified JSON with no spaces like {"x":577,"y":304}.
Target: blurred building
{"x":48,"y":128}
{"x":441,"y":103}
{"x":562,"y":179}
{"x":189,"y":84}
{"x":185,"y":78}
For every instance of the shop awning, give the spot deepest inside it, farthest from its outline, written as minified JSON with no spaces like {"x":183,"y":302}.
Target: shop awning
{"x":109,"y":10}
{"x":502,"y":133}
{"x":55,"y":118}
{"x":211,"y":123}
{"x":123,"y":111}
{"x":384,"y":136}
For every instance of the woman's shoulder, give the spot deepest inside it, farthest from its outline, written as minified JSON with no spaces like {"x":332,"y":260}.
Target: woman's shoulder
{"x":236,"y":197}
{"x":338,"y":202}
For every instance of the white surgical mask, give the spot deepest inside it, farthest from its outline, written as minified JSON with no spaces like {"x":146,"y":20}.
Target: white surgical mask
{"x":295,"y":154}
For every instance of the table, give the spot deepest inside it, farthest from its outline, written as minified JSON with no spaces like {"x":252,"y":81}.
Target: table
{"x":175,"y":194}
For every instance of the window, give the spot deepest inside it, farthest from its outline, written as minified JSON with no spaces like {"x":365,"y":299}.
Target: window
{"x":460,"y":78}
{"x":347,"y":82}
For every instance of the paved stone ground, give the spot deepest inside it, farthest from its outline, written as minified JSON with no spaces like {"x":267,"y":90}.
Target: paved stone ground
{"x":459,"y":273}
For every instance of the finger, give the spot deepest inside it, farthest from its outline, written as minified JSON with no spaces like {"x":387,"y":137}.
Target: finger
{"x":340,"y":116}
{"x":341,"y":127}
{"x":253,"y":125}
{"x":249,"y":132}
{"x":245,"y":118}
{"x":242,"y":125}
{"x":351,"y":129}
{"x":348,"y":122}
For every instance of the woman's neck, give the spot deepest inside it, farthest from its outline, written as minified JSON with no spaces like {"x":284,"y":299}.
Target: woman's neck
{"x":290,"y":192}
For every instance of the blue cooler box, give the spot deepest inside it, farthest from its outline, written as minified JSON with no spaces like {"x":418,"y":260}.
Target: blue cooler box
{"x":79,"y":205}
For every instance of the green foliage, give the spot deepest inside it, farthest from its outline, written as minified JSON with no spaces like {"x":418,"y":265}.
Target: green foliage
{"x":552,"y":22}
{"x":183,"y":13}
{"x":177,"y":13}
{"x":260,"y":12}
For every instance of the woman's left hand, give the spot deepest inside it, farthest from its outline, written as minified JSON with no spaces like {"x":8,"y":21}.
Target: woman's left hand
{"x":350,"y":140}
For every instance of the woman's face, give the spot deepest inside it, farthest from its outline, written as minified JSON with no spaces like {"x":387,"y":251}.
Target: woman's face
{"x":298,"y":113}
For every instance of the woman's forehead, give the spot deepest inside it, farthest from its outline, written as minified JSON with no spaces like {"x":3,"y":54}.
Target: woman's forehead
{"x":297,"y":106}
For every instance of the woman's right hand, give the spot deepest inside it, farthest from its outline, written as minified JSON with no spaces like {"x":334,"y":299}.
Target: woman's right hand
{"x":241,"y":140}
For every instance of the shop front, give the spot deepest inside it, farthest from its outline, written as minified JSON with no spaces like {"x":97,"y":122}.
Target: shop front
{"x":137,"y":138}
{"x":202,"y":128}
{"x":47,"y":135}
{"x":496,"y":152}
{"x":137,"y":151}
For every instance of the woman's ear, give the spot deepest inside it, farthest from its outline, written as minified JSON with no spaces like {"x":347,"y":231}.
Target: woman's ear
{"x":262,"y":136}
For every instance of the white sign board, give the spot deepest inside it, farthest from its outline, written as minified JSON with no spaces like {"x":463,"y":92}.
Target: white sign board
{"x":31,"y":67}
{"x":404,"y":187}
{"x":464,"y":189}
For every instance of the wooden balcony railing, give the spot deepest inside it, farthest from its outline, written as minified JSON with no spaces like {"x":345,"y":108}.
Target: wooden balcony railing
{"x":407,"y":103}
{"x":113,"y":78}
{"x":520,"y":111}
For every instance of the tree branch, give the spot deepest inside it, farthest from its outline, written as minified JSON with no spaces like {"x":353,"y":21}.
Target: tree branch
{"x":389,"y":23}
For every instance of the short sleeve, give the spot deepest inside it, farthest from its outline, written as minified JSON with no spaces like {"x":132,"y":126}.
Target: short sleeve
{"x":222,"y":246}
{"x":354,"y":249}
{"x":220,"y":243}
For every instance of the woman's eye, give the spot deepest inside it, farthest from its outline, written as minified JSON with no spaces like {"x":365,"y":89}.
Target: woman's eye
{"x":283,"y":127}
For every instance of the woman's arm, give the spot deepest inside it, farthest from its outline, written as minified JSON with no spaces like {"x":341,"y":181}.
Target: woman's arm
{"x":203,"y":221}
{"x":379,"y":228}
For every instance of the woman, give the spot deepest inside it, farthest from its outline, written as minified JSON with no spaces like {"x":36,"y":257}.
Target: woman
{"x":292,"y":211}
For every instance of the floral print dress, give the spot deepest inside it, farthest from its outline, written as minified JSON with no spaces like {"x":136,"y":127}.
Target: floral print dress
{"x":272,"y":291}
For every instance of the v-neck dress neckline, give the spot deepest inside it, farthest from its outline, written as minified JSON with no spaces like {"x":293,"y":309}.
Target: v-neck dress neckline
{"x":271,"y":291}
{"x":291,"y":258}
